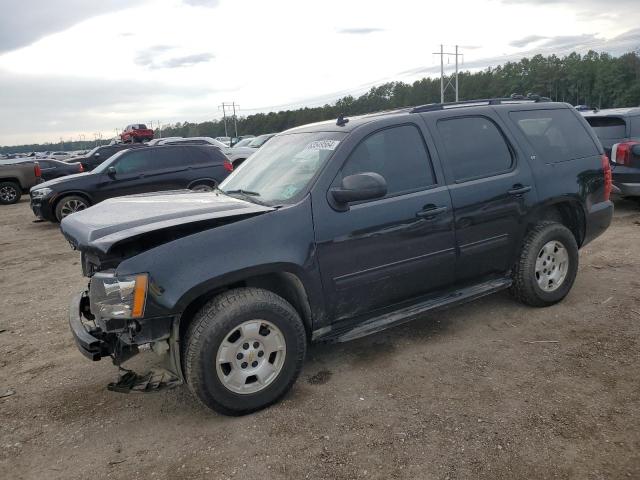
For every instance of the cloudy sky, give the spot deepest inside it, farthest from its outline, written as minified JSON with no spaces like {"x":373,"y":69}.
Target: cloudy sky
{"x":76,"y":67}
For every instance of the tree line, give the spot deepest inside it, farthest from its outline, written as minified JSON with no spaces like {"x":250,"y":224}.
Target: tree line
{"x":595,"y":79}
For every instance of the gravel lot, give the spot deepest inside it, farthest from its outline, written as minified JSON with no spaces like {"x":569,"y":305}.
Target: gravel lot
{"x":464,"y":393}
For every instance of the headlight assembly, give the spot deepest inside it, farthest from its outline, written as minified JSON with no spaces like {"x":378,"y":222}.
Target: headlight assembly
{"x":40,"y":192}
{"x":118,"y":297}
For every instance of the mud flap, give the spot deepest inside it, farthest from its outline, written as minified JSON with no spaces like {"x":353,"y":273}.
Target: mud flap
{"x":152,"y":381}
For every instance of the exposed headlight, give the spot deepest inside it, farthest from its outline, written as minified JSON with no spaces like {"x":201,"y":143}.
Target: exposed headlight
{"x":40,"y":192}
{"x":118,"y":297}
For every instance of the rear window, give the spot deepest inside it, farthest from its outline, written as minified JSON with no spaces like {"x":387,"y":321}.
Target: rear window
{"x":475,"y":147}
{"x":556,"y":135}
{"x":608,"y":127}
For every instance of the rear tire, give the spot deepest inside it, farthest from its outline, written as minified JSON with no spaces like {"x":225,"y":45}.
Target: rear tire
{"x":222,"y":359}
{"x":10,"y":193}
{"x":547,"y":266}
{"x":70,"y":204}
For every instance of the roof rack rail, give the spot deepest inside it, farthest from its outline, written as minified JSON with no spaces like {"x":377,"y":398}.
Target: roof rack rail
{"x":430,"y":107}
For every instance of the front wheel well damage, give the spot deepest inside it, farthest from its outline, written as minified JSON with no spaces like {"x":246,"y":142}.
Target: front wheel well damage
{"x":284,"y":284}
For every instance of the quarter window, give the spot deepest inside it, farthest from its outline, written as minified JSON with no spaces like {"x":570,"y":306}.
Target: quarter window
{"x":398,"y":154}
{"x":556,"y":135}
{"x":474,"y":147}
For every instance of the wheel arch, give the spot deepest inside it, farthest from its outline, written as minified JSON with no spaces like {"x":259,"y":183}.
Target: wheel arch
{"x":71,"y":193}
{"x":569,"y":211}
{"x":206,"y":180}
{"x":284,"y":282}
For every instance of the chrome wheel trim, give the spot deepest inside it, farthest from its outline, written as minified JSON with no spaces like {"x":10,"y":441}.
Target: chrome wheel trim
{"x":72,"y":206}
{"x":250,"y":357}
{"x":552,"y":265}
{"x":8,"y":194}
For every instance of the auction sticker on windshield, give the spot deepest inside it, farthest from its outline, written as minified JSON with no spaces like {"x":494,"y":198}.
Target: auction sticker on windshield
{"x":322,"y":145}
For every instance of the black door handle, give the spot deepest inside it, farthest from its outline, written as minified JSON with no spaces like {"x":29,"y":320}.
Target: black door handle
{"x":519,"y":189}
{"x":431,"y":212}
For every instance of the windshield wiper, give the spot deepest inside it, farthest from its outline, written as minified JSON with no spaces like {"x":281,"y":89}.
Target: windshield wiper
{"x":246,"y":194}
{"x":243,"y":192}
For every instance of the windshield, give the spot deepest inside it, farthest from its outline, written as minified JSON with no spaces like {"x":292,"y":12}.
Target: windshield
{"x":259,"y":141}
{"x":243,"y":143}
{"x":91,"y":152}
{"x":108,"y":162}
{"x":282,"y":170}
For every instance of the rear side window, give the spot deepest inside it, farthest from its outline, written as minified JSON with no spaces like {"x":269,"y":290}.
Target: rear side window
{"x":608,"y":127}
{"x":398,"y":154}
{"x":556,"y":135}
{"x":475,"y":147}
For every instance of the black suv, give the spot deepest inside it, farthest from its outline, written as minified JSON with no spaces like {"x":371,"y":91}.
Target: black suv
{"x":337,"y":230}
{"x":99,"y":154}
{"x":140,"y":170}
{"x":619,"y":131}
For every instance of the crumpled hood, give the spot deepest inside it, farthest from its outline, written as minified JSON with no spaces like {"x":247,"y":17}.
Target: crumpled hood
{"x":104,"y":225}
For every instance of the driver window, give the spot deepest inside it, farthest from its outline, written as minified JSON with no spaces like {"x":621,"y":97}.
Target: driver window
{"x":133,"y":162}
{"x":398,"y":154}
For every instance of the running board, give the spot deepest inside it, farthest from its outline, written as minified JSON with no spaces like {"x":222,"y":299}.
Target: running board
{"x":406,"y":314}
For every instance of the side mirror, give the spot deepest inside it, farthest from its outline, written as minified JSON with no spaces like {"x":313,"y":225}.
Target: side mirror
{"x":635,"y":150}
{"x":96,"y":155}
{"x":359,"y":187}
{"x":111,"y":171}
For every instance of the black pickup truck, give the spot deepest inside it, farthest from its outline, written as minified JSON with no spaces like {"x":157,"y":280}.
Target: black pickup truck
{"x":337,"y":230}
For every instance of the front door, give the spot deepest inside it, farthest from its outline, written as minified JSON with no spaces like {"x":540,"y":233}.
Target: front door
{"x":382,"y":252}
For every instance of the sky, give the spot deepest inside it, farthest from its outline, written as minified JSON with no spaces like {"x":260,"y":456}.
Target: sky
{"x":71,"y":69}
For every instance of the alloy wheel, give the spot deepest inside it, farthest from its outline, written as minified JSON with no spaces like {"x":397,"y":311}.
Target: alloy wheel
{"x":72,"y":206}
{"x":251,"y":356}
{"x":8,"y":194}
{"x":552,"y":265}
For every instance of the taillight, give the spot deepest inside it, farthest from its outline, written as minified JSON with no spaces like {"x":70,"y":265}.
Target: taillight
{"x":228,"y":166}
{"x":80,"y":168}
{"x":37,"y":170}
{"x":606,"y":168}
{"x":621,"y":153}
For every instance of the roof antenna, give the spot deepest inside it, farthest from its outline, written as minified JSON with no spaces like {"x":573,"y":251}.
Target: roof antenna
{"x":341,"y":122}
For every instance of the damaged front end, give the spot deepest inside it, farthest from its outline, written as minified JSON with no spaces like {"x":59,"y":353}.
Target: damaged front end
{"x":120,"y":336}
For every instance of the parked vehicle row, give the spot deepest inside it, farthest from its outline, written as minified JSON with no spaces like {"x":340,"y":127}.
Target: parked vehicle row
{"x":132,"y":171}
{"x":16,"y":178}
{"x":333,"y":231}
{"x":619,"y":132}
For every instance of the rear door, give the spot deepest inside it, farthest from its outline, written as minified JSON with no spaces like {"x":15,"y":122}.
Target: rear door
{"x":491,"y":188}
{"x":385,"y":251}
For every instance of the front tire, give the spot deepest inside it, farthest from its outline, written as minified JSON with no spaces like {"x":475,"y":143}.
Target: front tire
{"x":547,"y":266}
{"x":10,"y":193}
{"x":244,"y":350}
{"x":70,"y":204}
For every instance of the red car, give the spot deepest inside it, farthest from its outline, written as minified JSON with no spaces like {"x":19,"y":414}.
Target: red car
{"x":136,"y":133}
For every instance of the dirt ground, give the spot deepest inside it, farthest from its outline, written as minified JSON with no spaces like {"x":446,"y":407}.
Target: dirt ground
{"x":465,"y":393}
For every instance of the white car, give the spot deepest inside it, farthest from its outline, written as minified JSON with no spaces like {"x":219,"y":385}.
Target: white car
{"x":239,"y":154}
{"x":224,"y":140}
{"x":59,"y":155}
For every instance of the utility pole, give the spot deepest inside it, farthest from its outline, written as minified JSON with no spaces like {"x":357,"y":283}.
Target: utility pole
{"x":160,"y":129}
{"x":224,"y":116}
{"x":233,"y":106}
{"x":235,"y":123}
{"x":443,"y":86}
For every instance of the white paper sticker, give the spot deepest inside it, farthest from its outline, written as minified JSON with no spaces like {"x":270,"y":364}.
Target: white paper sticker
{"x":323,"y":145}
